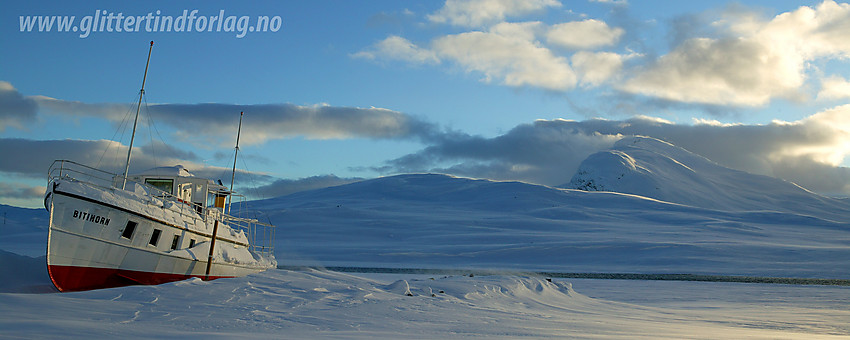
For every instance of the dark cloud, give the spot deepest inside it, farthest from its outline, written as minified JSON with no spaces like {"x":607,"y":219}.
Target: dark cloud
{"x":158,"y":149}
{"x":264,"y":121}
{"x":194,"y":124}
{"x":15,"y":109}
{"x":807,"y":152}
{"x":32,"y":158}
{"x":283,"y":187}
{"x":543,"y":152}
{"x":15,"y":191}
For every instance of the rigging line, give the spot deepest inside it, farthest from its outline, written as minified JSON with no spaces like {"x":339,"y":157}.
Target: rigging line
{"x":150,"y":135}
{"x":251,"y":178}
{"x":224,"y":170}
{"x":152,"y":128}
{"x":117,"y":129}
{"x":152,"y":125}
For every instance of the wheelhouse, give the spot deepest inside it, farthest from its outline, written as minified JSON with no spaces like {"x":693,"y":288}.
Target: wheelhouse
{"x":178,"y":182}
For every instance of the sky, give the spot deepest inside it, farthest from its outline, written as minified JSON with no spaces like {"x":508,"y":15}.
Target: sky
{"x":337,"y":91}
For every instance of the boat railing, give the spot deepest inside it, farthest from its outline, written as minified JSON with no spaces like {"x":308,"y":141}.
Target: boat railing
{"x":72,"y":170}
{"x":66,"y":169}
{"x":260,"y":235}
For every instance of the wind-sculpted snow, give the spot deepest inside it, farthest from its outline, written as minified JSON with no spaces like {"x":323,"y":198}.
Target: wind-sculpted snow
{"x":320,"y":304}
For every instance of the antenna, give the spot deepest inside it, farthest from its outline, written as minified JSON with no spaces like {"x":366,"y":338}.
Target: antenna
{"x":135,"y":122}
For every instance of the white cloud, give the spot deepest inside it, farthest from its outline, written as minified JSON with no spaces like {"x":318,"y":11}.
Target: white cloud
{"x":738,"y":58}
{"x":587,"y":34}
{"x":823,"y":31}
{"x":477,"y":13}
{"x":834,"y":87}
{"x":398,"y":48}
{"x":614,"y":2}
{"x":508,"y":53}
{"x":720,"y":71}
{"x":829,"y":133}
{"x":753,"y":63}
{"x":596,"y":68}
{"x":713,"y":122}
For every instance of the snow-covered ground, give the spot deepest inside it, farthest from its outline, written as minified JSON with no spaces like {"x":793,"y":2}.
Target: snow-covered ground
{"x":678,"y":213}
{"x":323,"y":304}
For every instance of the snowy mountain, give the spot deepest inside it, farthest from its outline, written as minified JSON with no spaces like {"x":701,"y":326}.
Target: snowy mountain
{"x":23,"y":230}
{"x":439,"y":221}
{"x":653,"y":168}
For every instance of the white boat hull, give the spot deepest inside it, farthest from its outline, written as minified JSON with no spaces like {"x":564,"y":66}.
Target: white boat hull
{"x":88,"y":248}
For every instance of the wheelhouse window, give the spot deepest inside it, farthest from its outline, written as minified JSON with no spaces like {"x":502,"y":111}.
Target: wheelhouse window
{"x":216,"y":199}
{"x":175,"y":242}
{"x":163,"y":184}
{"x":191,"y":243}
{"x":129,"y":229}
{"x":155,"y":237}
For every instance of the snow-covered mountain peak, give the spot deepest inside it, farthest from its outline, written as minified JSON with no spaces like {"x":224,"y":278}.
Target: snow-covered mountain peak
{"x":657,"y":169}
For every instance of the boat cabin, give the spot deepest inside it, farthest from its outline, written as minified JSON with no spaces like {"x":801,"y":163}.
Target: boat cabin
{"x":178,"y":182}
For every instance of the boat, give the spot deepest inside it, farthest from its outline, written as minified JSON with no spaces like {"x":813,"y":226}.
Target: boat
{"x":160,"y":225}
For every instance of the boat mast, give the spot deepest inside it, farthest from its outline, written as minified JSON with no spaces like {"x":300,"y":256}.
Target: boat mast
{"x":230,"y":198}
{"x":135,"y":122}
{"x":233,"y":174}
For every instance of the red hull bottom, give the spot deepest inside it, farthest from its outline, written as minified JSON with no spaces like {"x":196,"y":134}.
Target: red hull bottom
{"x":73,"y":278}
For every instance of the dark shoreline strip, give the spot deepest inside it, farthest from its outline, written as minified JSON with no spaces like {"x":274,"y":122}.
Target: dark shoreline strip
{"x":598,"y":276}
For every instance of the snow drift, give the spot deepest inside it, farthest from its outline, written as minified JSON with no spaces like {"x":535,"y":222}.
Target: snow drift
{"x":315,"y":304}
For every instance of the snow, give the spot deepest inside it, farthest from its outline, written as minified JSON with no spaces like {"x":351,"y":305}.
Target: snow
{"x":437,"y":221}
{"x":323,"y":304}
{"x":225,"y":252}
{"x":674,"y":212}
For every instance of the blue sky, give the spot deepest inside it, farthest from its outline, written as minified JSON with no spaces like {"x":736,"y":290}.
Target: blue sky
{"x":507,"y":90}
